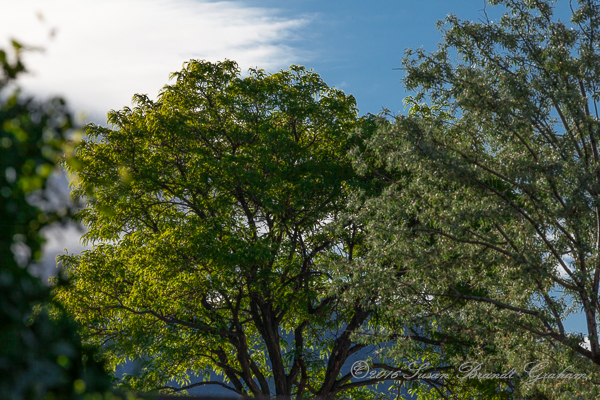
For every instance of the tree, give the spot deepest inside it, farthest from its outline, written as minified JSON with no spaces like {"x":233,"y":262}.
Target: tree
{"x":40,"y":357}
{"x":492,"y":210}
{"x":212,"y":211}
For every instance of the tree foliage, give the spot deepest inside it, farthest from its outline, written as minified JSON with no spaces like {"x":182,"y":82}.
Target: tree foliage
{"x":214,"y":215}
{"x":492,"y":209}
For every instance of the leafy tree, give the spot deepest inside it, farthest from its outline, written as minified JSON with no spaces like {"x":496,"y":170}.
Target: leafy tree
{"x":40,"y":357}
{"x":212,"y":213}
{"x":492,"y":211}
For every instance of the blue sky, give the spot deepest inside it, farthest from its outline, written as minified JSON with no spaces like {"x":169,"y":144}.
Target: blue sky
{"x":357,"y":44}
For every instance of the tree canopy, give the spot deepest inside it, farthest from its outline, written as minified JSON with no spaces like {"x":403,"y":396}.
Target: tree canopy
{"x":490,"y":222}
{"x":214,"y":212}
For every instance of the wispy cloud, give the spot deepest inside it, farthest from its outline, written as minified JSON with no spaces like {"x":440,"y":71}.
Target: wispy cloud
{"x":103,"y":52}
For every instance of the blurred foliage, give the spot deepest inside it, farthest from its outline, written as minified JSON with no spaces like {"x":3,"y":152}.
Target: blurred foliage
{"x":41,"y":357}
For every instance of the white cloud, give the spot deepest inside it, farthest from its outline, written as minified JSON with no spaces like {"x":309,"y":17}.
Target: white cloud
{"x":106,"y":51}
{"x":586,"y":343}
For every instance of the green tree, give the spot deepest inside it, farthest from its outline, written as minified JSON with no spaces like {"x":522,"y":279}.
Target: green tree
{"x":40,"y":357}
{"x":492,"y":211}
{"x":212,"y":211}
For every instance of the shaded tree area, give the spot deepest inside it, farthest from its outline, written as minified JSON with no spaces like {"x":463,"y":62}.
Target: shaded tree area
{"x":489,"y":225}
